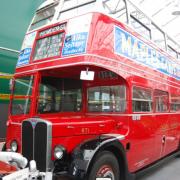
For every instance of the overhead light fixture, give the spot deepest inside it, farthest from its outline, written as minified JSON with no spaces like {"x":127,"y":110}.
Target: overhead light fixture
{"x":176,"y":10}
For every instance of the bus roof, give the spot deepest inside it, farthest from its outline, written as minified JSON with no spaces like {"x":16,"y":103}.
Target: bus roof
{"x":124,"y":11}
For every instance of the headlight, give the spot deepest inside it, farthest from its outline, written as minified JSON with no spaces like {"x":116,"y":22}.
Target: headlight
{"x":59,"y":152}
{"x":14,"y":146}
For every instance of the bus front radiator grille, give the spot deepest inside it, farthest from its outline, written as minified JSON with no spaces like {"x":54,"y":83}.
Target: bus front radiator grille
{"x":36,"y":142}
{"x":27,"y":140}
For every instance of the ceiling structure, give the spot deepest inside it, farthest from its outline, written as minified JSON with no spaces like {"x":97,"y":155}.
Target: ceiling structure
{"x":161,"y":12}
{"x":15,"y":18}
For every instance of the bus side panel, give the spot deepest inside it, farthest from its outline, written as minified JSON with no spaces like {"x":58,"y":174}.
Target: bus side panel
{"x":172,"y":138}
{"x":142,"y":138}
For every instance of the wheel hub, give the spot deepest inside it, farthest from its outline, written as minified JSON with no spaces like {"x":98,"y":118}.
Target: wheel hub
{"x":105,"y":172}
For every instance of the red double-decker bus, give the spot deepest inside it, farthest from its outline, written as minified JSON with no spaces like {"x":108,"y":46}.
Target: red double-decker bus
{"x":96,"y":92}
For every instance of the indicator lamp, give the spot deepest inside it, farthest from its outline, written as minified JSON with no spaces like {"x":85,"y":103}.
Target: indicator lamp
{"x":14,"y":146}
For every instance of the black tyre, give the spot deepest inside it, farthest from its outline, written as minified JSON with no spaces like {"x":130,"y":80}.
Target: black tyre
{"x":105,"y":165}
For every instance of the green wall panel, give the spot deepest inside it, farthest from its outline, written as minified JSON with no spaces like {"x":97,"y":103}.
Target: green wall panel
{"x":15,"y":17}
{"x":7,"y":65}
{"x":4,"y":86}
{"x":14,"y":20}
{"x":8,"y":62}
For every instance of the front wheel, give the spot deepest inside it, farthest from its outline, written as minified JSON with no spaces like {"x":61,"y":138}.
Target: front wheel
{"x":105,"y":165}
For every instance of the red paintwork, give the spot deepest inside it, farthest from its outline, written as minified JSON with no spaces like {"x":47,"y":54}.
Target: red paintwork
{"x":145,"y":136}
{"x":6,"y":168}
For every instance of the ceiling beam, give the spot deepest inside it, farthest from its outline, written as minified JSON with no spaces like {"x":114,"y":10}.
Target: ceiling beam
{"x":163,"y":8}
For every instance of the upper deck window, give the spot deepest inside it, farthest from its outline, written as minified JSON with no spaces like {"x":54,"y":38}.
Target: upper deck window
{"x":59,"y":95}
{"x":158,"y":36}
{"x":43,"y":16}
{"x":116,"y":9}
{"x":75,"y":8}
{"x":172,"y":52}
{"x":139,"y":21}
{"x":107,"y":99}
{"x":142,"y":99}
{"x":172,"y":47}
{"x":22,"y":95}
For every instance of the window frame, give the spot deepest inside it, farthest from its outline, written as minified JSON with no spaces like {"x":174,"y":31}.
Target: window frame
{"x":31,"y":26}
{"x":174,"y":103}
{"x":142,"y":100}
{"x":164,"y":46}
{"x":107,"y":85}
{"x":149,"y":35}
{"x":59,"y":112}
{"x":154,"y":98}
{"x":172,"y":51}
{"x":113,"y":13}
{"x":30,"y":97}
{"x":74,"y":8}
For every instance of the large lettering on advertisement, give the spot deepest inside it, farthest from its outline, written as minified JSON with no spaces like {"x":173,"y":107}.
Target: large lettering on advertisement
{"x":136,"y":50}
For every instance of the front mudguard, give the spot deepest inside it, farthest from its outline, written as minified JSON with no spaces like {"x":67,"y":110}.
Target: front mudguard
{"x":85,"y":153}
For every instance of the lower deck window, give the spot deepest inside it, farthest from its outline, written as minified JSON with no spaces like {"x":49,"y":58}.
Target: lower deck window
{"x":142,"y":106}
{"x":22,"y":95}
{"x":161,"y":101}
{"x":175,"y":103}
{"x":142,"y":99}
{"x":175,"y":107}
{"x":59,"y":95}
{"x":107,"y":99}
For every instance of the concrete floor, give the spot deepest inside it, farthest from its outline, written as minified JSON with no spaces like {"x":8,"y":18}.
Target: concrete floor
{"x":168,"y":171}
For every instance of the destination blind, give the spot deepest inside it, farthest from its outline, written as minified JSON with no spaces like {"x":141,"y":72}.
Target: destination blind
{"x":48,"y":47}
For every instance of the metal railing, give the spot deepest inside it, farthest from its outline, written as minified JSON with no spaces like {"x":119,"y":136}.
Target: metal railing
{"x":8,"y":49}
